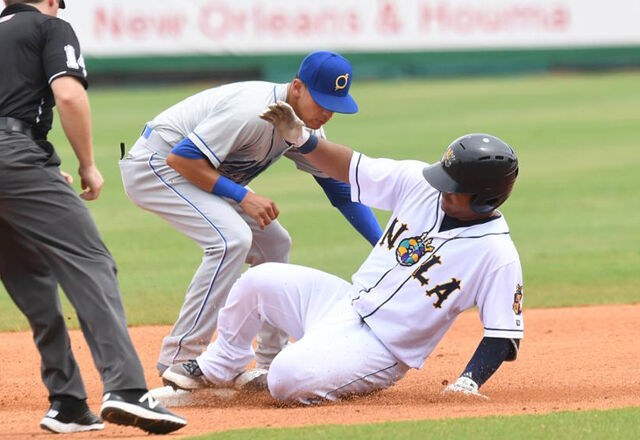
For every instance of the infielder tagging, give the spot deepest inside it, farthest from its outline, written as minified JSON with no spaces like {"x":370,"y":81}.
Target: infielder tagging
{"x":446,"y":249}
{"x":191,"y":166}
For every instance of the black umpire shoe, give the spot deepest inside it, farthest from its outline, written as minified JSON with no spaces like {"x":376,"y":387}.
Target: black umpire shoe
{"x":138,"y":408}
{"x":67,"y":418}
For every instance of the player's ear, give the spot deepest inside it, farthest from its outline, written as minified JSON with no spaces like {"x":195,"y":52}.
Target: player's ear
{"x":297,"y":87}
{"x":53,"y":7}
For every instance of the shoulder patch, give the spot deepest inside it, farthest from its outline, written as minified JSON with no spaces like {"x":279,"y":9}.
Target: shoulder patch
{"x":517,"y":300}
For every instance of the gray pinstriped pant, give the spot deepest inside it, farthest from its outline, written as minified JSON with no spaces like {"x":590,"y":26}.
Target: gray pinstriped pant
{"x":228,"y":238}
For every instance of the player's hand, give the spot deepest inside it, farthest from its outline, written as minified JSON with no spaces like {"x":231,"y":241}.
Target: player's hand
{"x":66,"y":176}
{"x":286,"y":122}
{"x":464,"y":386}
{"x":262,"y":209}
{"x":91,"y":181}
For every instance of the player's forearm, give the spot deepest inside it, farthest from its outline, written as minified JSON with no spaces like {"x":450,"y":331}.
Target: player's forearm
{"x":200,"y":172}
{"x":332,"y":159}
{"x":486,"y":360}
{"x":73,"y":107}
{"x":488,"y":357}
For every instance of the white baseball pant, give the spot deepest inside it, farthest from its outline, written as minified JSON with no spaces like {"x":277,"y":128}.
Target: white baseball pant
{"x":336,"y":353}
{"x":227,"y":236}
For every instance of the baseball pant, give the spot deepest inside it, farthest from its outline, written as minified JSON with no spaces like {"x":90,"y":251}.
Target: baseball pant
{"x":227,"y":236}
{"x":336,"y":353}
{"x":47,"y":238}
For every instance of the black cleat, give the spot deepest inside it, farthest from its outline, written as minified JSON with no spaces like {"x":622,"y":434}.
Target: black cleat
{"x":141,"y":410}
{"x":65,"y":419}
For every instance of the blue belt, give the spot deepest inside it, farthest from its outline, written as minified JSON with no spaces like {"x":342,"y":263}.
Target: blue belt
{"x":146,"y":132}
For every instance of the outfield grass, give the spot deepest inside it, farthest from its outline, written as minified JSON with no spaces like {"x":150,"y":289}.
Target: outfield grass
{"x":621,"y":424}
{"x":574,"y":214}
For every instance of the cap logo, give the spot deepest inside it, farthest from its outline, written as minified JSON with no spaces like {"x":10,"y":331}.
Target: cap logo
{"x":448,"y":157}
{"x":341,"y":82}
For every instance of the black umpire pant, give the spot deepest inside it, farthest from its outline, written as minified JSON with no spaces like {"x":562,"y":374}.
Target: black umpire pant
{"x":47,"y":237}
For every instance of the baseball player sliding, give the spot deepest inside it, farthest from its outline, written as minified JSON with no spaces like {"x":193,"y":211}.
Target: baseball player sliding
{"x":445,"y":249}
{"x":191,"y":166}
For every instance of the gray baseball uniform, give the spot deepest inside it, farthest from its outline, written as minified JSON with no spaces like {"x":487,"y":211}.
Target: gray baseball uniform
{"x":223,"y":123}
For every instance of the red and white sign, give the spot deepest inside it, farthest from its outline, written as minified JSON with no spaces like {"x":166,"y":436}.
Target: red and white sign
{"x":162,"y":27}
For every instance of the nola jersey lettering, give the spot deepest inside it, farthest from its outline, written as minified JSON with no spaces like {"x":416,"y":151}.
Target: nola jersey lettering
{"x":409,"y":251}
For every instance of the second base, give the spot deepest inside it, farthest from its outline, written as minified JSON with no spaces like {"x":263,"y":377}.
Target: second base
{"x":205,"y":397}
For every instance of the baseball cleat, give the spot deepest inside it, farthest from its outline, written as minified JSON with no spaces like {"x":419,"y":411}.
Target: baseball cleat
{"x":185,"y":376}
{"x":254,"y":379}
{"x":64,"y":420}
{"x":131,"y":408}
{"x":161,"y":368}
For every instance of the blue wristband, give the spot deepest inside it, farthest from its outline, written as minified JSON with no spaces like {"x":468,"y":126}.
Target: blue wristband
{"x":228,"y":188}
{"x":309,"y":146}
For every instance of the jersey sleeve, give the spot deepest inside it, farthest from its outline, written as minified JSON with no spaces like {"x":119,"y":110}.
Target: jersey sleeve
{"x":61,"y":54}
{"x":222,"y":131}
{"x":188,"y":150}
{"x":383,"y":183}
{"x":500,"y":302}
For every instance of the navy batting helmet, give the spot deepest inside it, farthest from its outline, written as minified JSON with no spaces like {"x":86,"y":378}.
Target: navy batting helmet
{"x":478,"y":164}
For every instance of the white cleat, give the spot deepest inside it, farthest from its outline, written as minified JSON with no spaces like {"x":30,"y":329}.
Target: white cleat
{"x":254,"y":379}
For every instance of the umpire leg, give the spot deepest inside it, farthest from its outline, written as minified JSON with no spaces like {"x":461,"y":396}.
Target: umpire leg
{"x":34,"y":290}
{"x":37,"y":202}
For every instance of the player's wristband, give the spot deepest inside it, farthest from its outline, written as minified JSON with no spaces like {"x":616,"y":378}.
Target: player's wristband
{"x":228,"y":188}
{"x":309,"y":145}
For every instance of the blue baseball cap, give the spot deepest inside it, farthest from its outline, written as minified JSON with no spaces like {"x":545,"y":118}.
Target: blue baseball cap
{"x":328,"y":77}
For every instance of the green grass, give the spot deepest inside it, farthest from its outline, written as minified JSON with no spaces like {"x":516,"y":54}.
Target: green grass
{"x":621,"y":424}
{"x":574,"y":214}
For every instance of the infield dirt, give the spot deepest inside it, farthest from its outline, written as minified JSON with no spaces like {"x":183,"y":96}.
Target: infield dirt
{"x":571,"y":359}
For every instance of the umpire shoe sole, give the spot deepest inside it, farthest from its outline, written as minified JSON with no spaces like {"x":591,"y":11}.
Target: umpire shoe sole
{"x":145,"y":413}
{"x":89,"y":422}
{"x":72,"y":416}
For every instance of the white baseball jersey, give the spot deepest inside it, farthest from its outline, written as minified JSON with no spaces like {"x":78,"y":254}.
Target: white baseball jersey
{"x":223,"y":123}
{"x":417,"y":280}
{"x":409,"y":291}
